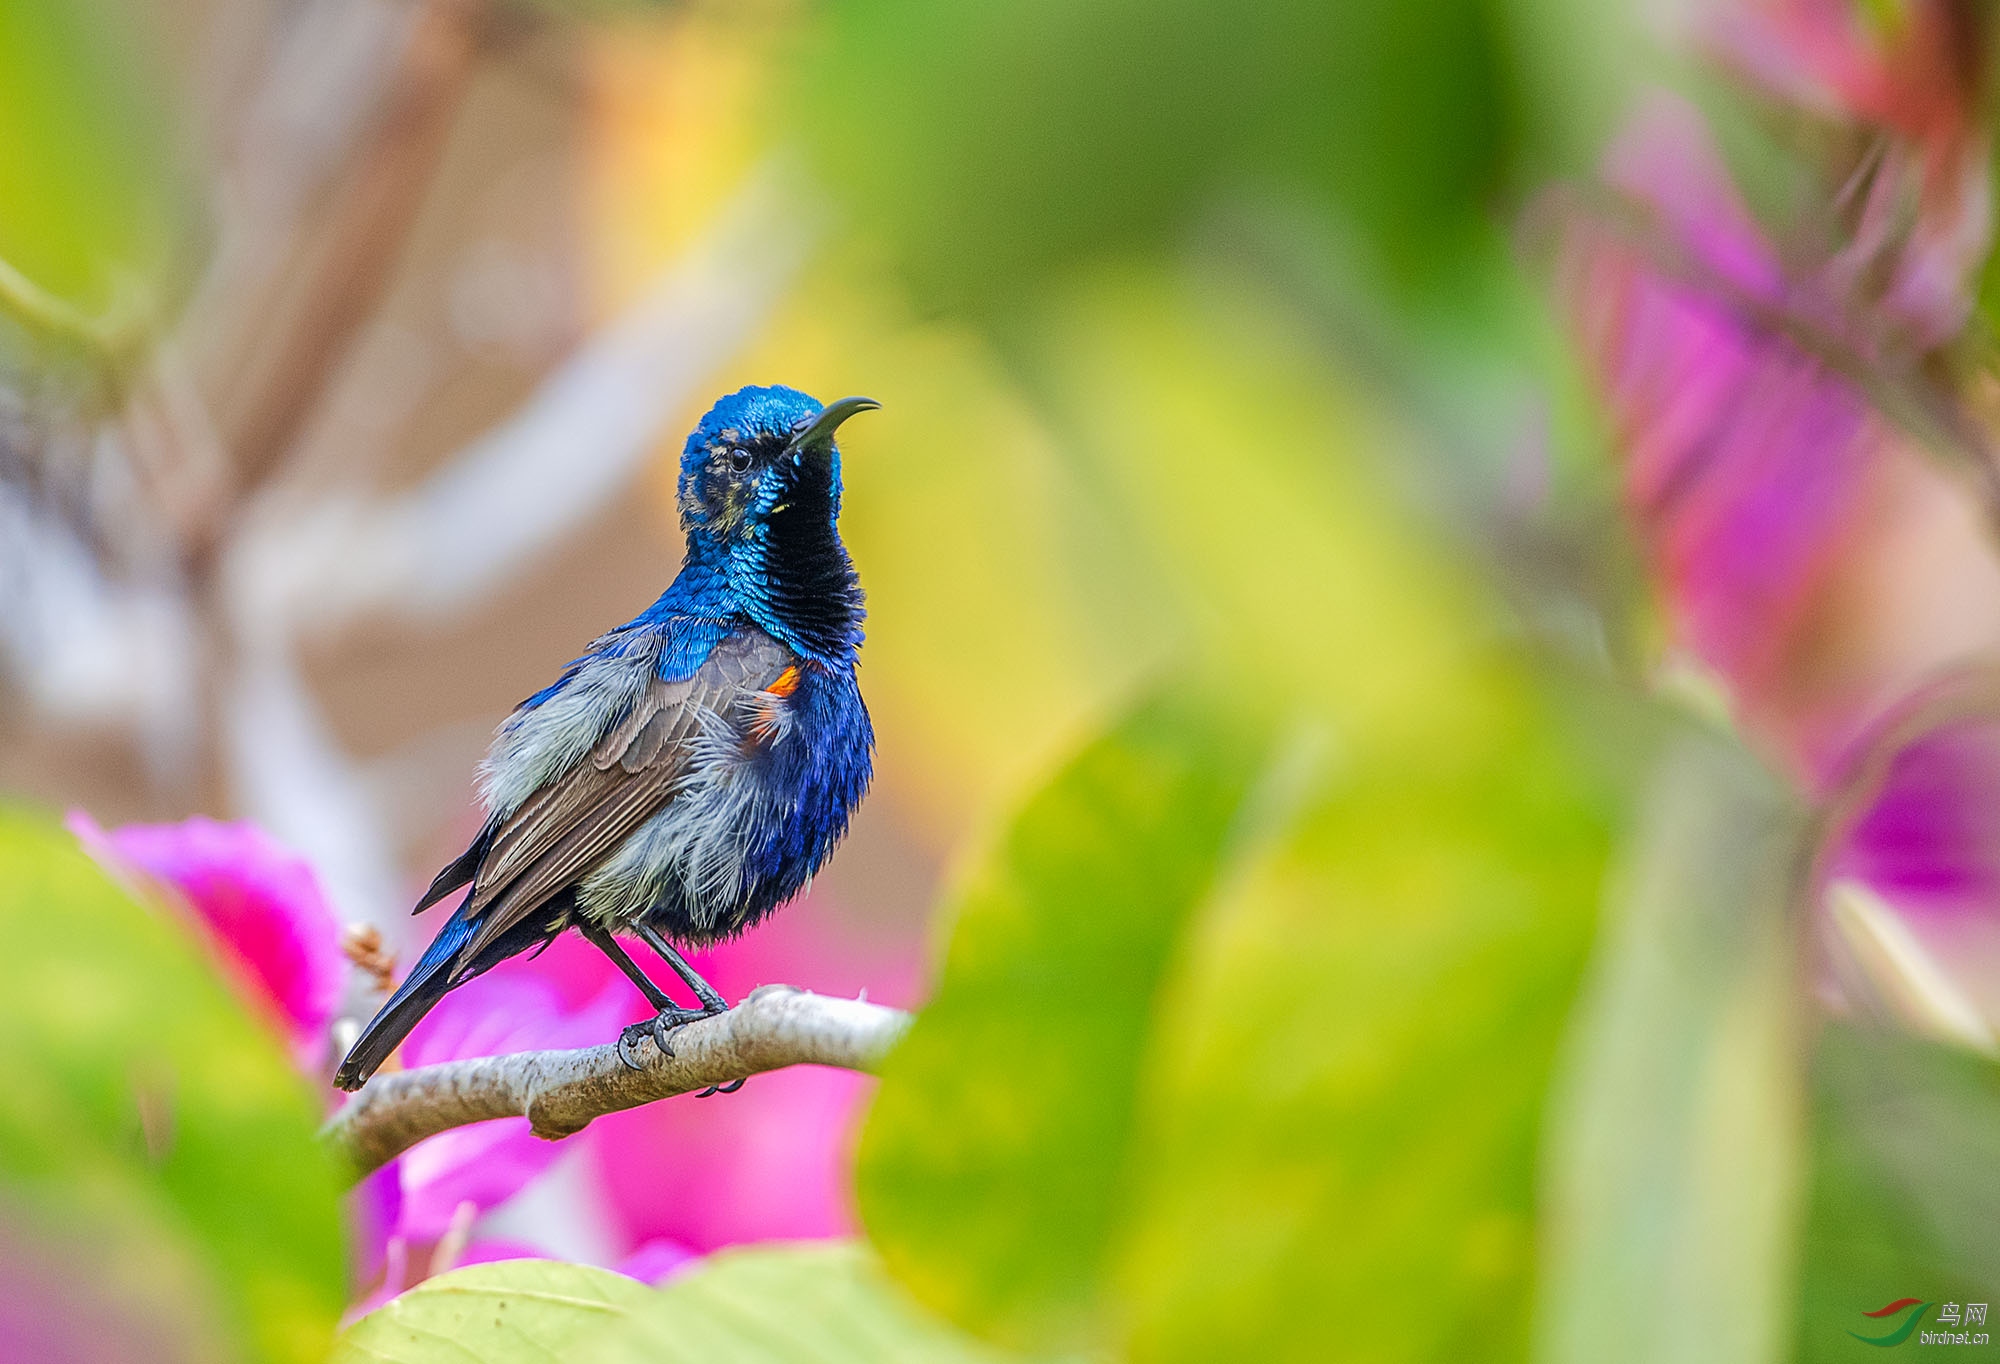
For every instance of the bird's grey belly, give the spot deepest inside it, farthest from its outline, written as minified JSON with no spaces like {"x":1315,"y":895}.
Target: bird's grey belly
{"x":691,"y":859}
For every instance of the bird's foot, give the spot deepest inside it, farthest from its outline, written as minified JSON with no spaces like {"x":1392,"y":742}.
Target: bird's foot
{"x":729,"y":1088}
{"x":661,"y":1028}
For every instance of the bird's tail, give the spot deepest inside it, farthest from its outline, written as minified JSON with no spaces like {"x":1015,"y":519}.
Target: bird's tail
{"x":426,"y":984}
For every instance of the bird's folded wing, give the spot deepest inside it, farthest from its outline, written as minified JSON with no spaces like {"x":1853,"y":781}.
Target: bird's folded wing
{"x":562,"y":831}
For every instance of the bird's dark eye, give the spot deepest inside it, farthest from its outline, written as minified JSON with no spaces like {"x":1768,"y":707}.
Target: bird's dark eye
{"x":739,"y":461}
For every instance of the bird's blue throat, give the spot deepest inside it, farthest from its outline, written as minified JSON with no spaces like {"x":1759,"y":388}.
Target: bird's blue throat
{"x":789,"y":571}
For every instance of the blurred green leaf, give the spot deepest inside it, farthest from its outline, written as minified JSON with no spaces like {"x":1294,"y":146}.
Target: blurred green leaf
{"x":1326,"y":1146}
{"x":992,"y":1170}
{"x":152,"y":1120}
{"x":1906,"y":1186}
{"x":1265,"y":494}
{"x":96,"y":205}
{"x":803,"y":1304}
{"x":998,"y":145}
{"x":1676,"y":1146}
{"x":507,"y":1312}
{"x":1342,"y":1138}
{"x":1575,"y":65}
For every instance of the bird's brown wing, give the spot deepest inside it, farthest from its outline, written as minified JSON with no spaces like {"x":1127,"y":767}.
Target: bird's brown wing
{"x":562,"y":831}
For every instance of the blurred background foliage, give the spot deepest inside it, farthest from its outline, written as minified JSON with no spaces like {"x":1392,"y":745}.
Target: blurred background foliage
{"x":101,"y":207}
{"x":165,"y":1196}
{"x":1362,"y":902}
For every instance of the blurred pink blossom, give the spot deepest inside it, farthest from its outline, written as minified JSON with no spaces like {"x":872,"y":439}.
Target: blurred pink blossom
{"x":1917,"y":208}
{"x":678,"y":1178}
{"x":1808,"y":551}
{"x":259,"y":902}
{"x":1747,"y":457}
{"x":1743,"y":362}
{"x":487,"y":1163}
{"x":657,"y":1261}
{"x":1910,"y":871}
{"x":774,"y":1160}
{"x":1922,"y":818}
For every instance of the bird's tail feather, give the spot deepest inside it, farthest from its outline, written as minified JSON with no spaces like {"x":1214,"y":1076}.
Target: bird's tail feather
{"x":426,"y":984}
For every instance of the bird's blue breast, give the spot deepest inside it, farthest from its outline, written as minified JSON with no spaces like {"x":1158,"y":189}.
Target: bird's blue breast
{"x":818,"y":771}
{"x":769,"y":785}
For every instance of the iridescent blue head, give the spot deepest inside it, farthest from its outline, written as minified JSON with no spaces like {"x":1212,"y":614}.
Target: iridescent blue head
{"x":760,"y":501}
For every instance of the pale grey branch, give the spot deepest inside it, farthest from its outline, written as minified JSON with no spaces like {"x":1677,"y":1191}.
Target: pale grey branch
{"x":559,"y":1092}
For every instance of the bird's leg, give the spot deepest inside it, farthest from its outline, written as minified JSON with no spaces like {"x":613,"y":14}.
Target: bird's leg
{"x":711,"y":999}
{"x":608,"y":945}
{"x":670,"y":1015}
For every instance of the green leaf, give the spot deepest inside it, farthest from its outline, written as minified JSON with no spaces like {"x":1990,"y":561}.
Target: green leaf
{"x":1906,"y":1186}
{"x":992,"y":1168}
{"x":1677,"y":1143}
{"x":804,"y":1304}
{"x":1342,"y":1131}
{"x":96,"y":206}
{"x":997,"y":146}
{"x":508,"y":1312}
{"x":1318,"y":1135}
{"x":154,"y":1134}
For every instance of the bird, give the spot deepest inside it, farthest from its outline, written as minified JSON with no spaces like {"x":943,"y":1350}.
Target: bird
{"x":693,"y":768}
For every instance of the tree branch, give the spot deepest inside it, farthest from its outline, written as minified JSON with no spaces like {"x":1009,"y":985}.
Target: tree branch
{"x":559,"y":1092}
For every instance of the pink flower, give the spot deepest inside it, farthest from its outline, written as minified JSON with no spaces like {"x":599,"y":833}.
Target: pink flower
{"x":681,"y":1177}
{"x":657,"y":1261}
{"x":774,"y":1160}
{"x":1922,"y":807}
{"x":487,"y":1163}
{"x":1917,"y":210}
{"x":260,"y":904}
{"x":1748,"y":458}
{"x":418,"y":1215}
{"x":1911,"y":866}
{"x":676,"y":1178}
{"x":1807,"y":551}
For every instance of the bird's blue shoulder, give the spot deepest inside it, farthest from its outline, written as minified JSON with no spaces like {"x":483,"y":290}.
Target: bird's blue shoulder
{"x":674,"y":636}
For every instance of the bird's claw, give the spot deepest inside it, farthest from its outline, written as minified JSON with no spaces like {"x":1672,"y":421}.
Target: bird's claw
{"x":729,"y":1088}
{"x":628,"y":1044}
{"x":660,"y":1028}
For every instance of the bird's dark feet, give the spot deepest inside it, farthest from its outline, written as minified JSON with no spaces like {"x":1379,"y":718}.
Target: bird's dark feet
{"x":729,"y":1088}
{"x":661,"y":1028}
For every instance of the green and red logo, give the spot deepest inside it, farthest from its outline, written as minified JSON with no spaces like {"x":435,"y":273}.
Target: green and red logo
{"x":1957,"y":1323}
{"x":1900,"y":1333}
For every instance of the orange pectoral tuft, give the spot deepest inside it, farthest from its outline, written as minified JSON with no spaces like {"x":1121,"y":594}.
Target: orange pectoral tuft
{"x":787,"y":682}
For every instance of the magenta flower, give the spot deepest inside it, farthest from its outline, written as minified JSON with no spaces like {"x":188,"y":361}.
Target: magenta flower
{"x":1748,"y":457}
{"x":1911,"y":868}
{"x":259,"y":903}
{"x":1742,"y":365}
{"x":1807,"y":554}
{"x":676,"y":1179}
{"x":484,"y":1165}
{"x":1925,"y":832}
{"x":1918,"y":214}
{"x":657,"y":1261}
{"x":774,"y":1161}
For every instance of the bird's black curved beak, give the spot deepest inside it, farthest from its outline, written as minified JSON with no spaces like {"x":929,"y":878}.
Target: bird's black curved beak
{"x":818,"y":434}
